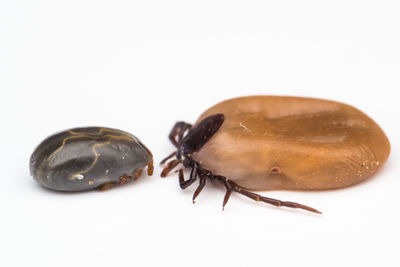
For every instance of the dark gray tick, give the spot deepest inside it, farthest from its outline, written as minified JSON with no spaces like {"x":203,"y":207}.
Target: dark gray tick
{"x":88,"y":158}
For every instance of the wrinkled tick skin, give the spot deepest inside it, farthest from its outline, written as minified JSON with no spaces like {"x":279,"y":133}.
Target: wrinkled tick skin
{"x":278,"y":143}
{"x":88,"y":158}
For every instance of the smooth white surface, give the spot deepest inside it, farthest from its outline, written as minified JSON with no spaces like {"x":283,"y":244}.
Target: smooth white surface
{"x":142,"y":65}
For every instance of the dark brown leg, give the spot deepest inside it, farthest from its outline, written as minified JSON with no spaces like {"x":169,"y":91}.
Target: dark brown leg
{"x":168,"y":157}
{"x":227,"y":194}
{"x":256,"y":197}
{"x":202,"y":183}
{"x":177,"y":132}
{"x":172,"y":164}
{"x":193,"y":175}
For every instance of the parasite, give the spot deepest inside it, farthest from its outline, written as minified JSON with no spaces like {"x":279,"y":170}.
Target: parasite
{"x":89,"y":158}
{"x":260,"y":143}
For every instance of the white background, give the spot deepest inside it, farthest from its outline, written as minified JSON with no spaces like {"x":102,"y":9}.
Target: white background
{"x":142,"y":65}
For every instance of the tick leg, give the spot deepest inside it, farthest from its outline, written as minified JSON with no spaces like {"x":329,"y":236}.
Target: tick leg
{"x":125,"y":179}
{"x":177,"y":132}
{"x":137,"y":174}
{"x":193,"y":175}
{"x":202,"y":183}
{"x":185,"y":126}
{"x":228,"y":187}
{"x":150,"y":168}
{"x":172,"y":164}
{"x":268,"y":200}
{"x":107,"y":186}
{"x":182,"y":183}
{"x":168,"y":157}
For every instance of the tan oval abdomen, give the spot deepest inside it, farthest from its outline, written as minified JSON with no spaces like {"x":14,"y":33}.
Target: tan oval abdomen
{"x":274,"y":142}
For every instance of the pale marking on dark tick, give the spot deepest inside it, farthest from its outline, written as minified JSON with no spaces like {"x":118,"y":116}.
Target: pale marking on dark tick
{"x":80,"y":135}
{"x":96,"y":157}
{"x":101,"y":130}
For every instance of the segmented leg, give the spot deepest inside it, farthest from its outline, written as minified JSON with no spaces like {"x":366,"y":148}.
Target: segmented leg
{"x":122,"y":180}
{"x":177,"y":132}
{"x":172,"y":164}
{"x":193,"y":176}
{"x":150,"y":168}
{"x":125,"y":178}
{"x":137,"y":174}
{"x":107,"y":186}
{"x":168,"y":157}
{"x":228,"y":187}
{"x":202,"y":183}
{"x":256,"y":197}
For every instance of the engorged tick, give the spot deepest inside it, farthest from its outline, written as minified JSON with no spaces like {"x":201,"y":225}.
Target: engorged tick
{"x":88,"y":158}
{"x":278,"y":143}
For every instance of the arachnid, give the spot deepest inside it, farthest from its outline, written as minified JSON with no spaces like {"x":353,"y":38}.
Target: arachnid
{"x":278,"y":143}
{"x":88,"y":158}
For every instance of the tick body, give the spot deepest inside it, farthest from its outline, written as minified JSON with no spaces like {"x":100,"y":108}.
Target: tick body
{"x":88,"y":158}
{"x":281,"y":143}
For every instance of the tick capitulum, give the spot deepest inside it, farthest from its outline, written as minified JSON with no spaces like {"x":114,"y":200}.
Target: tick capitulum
{"x":189,"y":140}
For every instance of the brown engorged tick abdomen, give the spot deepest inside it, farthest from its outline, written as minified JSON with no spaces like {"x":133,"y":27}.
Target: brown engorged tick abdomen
{"x":273,"y":142}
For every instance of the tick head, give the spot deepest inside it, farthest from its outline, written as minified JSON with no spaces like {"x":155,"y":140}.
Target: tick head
{"x":199,"y":135}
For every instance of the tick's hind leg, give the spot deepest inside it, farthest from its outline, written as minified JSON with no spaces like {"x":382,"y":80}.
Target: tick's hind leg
{"x":202,"y":183}
{"x":231,"y":186}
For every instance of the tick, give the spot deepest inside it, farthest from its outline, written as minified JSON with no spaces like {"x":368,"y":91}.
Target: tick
{"x":278,"y":143}
{"x":88,"y":158}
